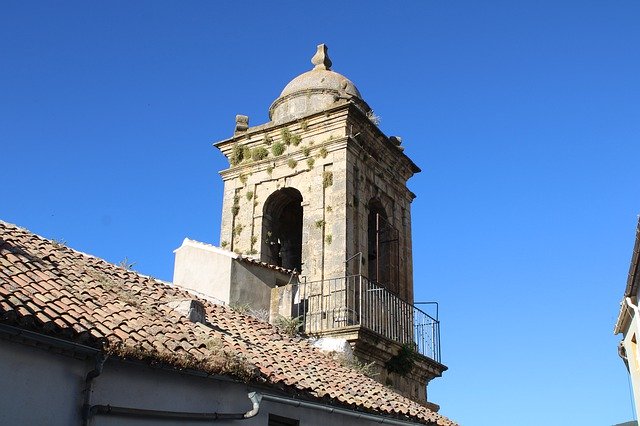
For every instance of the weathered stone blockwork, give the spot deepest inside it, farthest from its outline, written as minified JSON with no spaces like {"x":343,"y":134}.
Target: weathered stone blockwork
{"x":341,"y":163}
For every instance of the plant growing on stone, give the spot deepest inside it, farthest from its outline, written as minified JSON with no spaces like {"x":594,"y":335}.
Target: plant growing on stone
{"x":268,"y":140}
{"x":236,"y":155}
{"x":277,"y":149}
{"x":328,"y":239}
{"x":249,"y":195}
{"x":402,"y":362}
{"x":224,"y":244}
{"x":270,"y":170}
{"x":286,"y":134}
{"x":237,"y":230}
{"x":259,"y":153}
{"x":235,"y":208}
{"x":289,"y":138}
{"x":295,"y":140}
{"x":327,"y":179}
{"x":246,"y":153}
{"x":306,"y":150}
{"x":304,"y":125}
{"x":292,"y":163}
{"x":375,"y":119}
{"x":310,"y":162}
{"x":323,"y":152}
{"x":320,"y":223}
{"x":243,"y":178}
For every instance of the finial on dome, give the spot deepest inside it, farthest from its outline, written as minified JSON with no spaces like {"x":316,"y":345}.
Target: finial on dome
{"x":321,"y":59}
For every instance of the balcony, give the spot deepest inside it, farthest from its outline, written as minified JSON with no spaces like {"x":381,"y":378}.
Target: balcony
{"x":340,"y":303}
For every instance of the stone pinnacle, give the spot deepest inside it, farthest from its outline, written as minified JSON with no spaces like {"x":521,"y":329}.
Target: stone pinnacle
{"x":321,"y":59}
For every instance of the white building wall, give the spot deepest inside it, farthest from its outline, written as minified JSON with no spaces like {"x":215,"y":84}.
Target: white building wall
{"x":630,"y":342}
{"x":204,"y":269}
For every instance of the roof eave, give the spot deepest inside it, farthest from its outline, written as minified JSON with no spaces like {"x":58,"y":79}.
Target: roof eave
{"x":631,"y":288}
{"x":622,"y":322}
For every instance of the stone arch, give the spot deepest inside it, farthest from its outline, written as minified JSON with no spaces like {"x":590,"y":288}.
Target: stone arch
{"x":378,"y":243}
{"x":282,"y":229}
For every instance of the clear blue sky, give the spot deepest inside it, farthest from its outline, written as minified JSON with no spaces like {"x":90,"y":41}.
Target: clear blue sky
{"x":523,"y":115}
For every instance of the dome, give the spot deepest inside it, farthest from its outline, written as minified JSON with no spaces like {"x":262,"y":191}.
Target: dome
{"x":314,"y":91}
{"x":323,"y":80}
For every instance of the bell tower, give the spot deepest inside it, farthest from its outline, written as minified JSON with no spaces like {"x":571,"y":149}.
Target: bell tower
{"x":322,"y":191}
{"x":320,"y":184}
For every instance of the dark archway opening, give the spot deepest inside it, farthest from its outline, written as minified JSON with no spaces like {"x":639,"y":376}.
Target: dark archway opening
{"x":282,"y":229}
{"x":381,"y":235}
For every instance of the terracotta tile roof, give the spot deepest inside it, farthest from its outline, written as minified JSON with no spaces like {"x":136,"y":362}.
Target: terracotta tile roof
{"x":254,"y":261}
{"x":54,"y":290}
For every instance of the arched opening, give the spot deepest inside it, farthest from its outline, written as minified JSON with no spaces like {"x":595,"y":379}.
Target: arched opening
{"x":282,"y":229}
{"x":379,"y":244}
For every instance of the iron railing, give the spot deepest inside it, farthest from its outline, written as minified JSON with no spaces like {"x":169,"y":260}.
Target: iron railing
{"x":353,"y":300}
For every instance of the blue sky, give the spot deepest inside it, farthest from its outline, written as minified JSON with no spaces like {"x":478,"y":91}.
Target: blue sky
{"x":524,"y":117}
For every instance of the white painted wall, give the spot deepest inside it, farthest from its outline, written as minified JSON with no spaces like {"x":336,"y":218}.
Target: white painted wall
{"x":221,"y":276}
{"x":633,"y":356}
{"x":204,"y":269}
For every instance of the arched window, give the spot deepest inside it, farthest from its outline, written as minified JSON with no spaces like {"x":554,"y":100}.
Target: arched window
{"x":378,"y":253}
{"x":282,"y":229}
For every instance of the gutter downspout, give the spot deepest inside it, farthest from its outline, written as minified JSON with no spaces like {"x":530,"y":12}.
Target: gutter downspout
{"x":88,"y":390}
{"x":138,"y":412}
{"x":622,"y":353}
{"x":255,"y":398}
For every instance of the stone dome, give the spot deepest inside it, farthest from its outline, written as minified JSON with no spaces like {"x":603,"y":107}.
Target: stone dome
{"x":321,"y":79}
{"x":314,"y":91}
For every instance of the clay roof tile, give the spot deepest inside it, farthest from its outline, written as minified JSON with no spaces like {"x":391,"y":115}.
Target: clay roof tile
{"x":67,"y":293}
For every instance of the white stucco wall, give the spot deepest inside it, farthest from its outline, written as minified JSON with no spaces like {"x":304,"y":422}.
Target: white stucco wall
{"x":204,"y":269}
{"x":633,"y":357}
{"x":43,"y":388}
{"x":219,"y":275}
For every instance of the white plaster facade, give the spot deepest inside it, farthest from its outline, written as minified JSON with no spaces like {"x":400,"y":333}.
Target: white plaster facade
{"x":628,"y":323}
{"x":213,"y":273}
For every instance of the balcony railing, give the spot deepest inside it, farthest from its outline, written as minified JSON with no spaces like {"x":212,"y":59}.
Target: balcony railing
{"x":335,"y":303}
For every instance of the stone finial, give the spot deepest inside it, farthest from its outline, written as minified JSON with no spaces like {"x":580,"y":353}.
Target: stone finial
{"x":321,"y":59}
{"x":242,"y":123}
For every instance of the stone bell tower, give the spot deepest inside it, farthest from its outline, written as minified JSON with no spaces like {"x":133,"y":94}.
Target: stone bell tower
{"x":320,"y":184}
{"x":317,"y":197}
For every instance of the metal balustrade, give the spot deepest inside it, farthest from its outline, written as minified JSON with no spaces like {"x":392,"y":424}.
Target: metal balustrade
{"x":353,"y":300}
